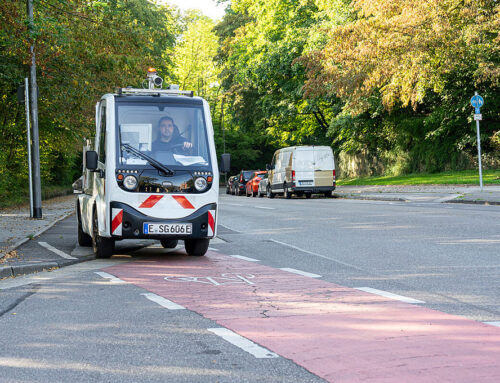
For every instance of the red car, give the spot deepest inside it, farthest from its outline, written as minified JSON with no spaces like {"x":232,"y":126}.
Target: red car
{"x":252,"y":185}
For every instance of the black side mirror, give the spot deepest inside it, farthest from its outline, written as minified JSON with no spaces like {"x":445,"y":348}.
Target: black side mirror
{"x":225,"y":163}
{"x":91,"y":160}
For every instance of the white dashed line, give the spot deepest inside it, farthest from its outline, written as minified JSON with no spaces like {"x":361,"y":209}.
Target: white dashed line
{"x":57,"y":251}
{"x":243,"y":343}
{"x":245,"y":258}
{"x":111,"y":278}
{"x":213,"y":249}
{"x":163,"y":302}
{"x":388,"y":295}
{"x":300,"y":272}
{"x":496,"y":324}
{"x":264,"y":207}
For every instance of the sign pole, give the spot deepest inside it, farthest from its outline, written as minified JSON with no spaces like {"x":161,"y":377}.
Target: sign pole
{"x":27,"y":103}
{"x":37,"y":188}
{"x":479,"y":155}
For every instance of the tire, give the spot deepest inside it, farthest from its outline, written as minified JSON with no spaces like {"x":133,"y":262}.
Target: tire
{"x":260,"y":195}
{"x":269,"y":193}
{"x":248,"y":195}
{"x":196,"y":247}
{"x":308,"y":195}
{"x":327,"y":194}
{"x":286,"y":193}
{"x":169,"y":243}
{"x":254,"y":194}
{"x":103,"y":247}
{"x":83,"y":238}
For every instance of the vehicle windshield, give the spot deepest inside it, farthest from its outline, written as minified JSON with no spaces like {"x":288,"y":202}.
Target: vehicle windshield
{"x":173,"y":135}
{"x":248,"y":175}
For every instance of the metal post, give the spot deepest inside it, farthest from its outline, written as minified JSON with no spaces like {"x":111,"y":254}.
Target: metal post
{"x":27,"y":104}
{"x":37,"y":188}
{"x":479,"y":156}
{"x":223,"y":133}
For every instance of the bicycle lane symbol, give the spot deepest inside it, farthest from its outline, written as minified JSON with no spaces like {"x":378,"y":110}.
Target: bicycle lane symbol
{"x":222,"y":280}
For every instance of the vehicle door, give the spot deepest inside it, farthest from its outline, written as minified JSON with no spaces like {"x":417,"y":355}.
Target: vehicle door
{"x":99,"y":176}
{"x":272,"y":172}
{"x":323,"y":167}
{"x":303,"y":164}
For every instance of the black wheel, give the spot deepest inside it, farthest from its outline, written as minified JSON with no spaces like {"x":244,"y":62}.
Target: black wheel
{"x":254,"y":194}
{"x":103,"y":247}
{"x":327,"y":194}
{"x":248,"y":195}
{"x":287,"y":193}
{"x":169,"y":243}
{"x":83,"y":238}
{"x":269,"y":193}
{"x":308,"y":195}
{"x":260,"y":194}
{"x":196,"y":247}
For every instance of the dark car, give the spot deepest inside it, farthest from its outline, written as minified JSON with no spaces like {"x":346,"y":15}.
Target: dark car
{"x":229,"y":186}
{"x":240,"y":182}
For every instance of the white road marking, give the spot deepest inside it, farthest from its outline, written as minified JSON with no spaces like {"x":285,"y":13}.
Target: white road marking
{"x":318,"y":255}
{"x":243,"y":343}
{"x":264,"y":207}
{"x":231,"y":204}
{"x":496,"y":323}
{"x":388,"y":295}
{"x":245,"y":258}
{"x":163,"y":302}
{"x":111,"y":278}
{"x":213,"y":249}
{"x":300,"y":272}
{"x":57,"y":251}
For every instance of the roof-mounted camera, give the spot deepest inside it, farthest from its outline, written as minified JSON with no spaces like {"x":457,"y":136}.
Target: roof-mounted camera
{"x":154,"y":81}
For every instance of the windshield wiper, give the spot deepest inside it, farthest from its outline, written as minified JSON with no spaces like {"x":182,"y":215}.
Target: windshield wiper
{"x":152,"y":161}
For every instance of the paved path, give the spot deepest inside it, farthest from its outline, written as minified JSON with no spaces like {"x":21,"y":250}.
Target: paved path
{"x":16,"y":226}
{"x":337,"y":333}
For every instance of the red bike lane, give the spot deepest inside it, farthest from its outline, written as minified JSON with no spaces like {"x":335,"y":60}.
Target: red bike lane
{"x":338,"y":333}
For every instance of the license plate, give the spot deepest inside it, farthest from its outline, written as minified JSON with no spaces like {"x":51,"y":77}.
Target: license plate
{"x":306,"y":183}
{"x":168,"y":228}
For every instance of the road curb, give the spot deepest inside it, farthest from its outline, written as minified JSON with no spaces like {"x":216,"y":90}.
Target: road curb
{"x":474,"y":202}
{"x":372,"y":198}
{"x":30,"y":268}
{"x":37,"y":234}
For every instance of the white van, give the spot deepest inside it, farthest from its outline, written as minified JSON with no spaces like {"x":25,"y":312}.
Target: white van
{"x":301,"y":170}
{"x":152,"y":172}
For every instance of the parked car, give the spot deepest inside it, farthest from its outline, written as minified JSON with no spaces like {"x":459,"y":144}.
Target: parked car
{"x":253,"y":184}
{"x":261,"y":190}
{"x":229,"y":185}
{"x":240,"y":182}
{"x":301,"y":170}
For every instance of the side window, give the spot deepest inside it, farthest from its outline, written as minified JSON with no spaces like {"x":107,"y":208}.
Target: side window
{"x":273,"y":162}
{"x":102,"y":136}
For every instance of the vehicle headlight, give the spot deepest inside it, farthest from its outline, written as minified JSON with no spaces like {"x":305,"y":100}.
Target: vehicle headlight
{"x":200,"y":183}
{"x":130,"y":182}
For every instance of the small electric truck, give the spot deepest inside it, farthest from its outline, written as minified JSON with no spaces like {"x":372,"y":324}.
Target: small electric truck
{"x":151,"y":172}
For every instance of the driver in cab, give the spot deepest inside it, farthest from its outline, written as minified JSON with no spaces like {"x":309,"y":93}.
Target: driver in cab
{"x":169,"y":137}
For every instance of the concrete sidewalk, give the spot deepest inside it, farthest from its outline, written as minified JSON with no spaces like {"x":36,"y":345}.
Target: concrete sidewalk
{"x":490,"y":195}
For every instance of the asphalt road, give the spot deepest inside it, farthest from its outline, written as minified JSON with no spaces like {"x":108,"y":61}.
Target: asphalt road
{"x":76,"y":325}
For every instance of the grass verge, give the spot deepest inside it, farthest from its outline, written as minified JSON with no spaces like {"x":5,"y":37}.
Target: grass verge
{"x":11,"y":198}
{"x":462,"y":177}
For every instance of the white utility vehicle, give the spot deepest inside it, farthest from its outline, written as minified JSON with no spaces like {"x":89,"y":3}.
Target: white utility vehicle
{"x":301,"y":170}
{"x":152,"y":173}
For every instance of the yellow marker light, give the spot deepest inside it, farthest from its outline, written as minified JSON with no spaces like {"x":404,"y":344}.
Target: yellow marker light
{"x":151,"y":70}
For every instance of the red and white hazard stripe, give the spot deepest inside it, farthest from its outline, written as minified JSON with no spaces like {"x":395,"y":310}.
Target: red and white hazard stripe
{"x":116,"y":221}
{"x":211,"y":223}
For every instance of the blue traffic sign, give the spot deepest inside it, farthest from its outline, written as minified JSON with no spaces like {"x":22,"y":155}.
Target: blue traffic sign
{"x":477,"y":111}
{"x":477,"y":101}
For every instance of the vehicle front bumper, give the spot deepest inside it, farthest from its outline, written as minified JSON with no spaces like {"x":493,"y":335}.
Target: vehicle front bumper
{"x":133,"y":220}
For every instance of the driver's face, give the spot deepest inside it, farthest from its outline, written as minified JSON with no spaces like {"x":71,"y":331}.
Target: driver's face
{"x":166,"y":130}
